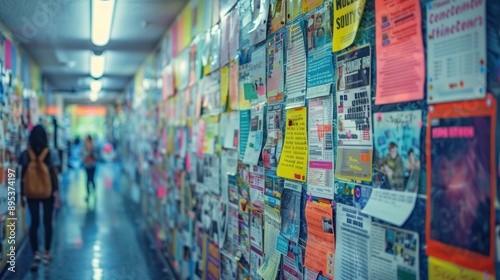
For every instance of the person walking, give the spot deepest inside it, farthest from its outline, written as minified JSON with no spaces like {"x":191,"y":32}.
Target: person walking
{"x":39,"y":185}
{"x":89,"y":162}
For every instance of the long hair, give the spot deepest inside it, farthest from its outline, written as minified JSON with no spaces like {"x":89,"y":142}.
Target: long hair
{"x":38,"y":139}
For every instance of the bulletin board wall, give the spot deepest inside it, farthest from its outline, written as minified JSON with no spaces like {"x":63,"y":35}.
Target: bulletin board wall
{"x":292,"y":139}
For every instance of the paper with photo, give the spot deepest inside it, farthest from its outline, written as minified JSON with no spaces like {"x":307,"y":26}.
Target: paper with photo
{"x":257,"y":182}
{"x":275,"y":66}
{"x":320,"y":248}
{"x":394,"y":253}
{"x":457,"y":73}
{"x":296,"y":65}
{"x":256,"y":226}
{"x":256,"y":135}
{"x":293,"y":9}
{"x":320,"y":140}
{"x":319,"y":56}
{"x":400,"y":52}
{"x":246,"y":87}
{"x":290,"y":210}
{"x":257,"y":76}
{"x":244,"y":132}
{"x":293,"y":162}
{"x":278,"y":14}
{"x":353,"y":244}
{"x":347,"y":16}
{"x":273,"y":190}
{"x":460,"y":138}
{"x":354,"y":155}
{"x":271,"y":152}
{"x":272,"y":224}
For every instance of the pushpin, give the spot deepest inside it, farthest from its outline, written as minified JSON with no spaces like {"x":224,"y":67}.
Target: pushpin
{"x":349,"y":134}
{"x":332,"y":203}
{"x":420,"y":123}
{"x":379,"y":116}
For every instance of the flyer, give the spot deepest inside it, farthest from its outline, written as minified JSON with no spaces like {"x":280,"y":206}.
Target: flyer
{"x":228,"y":267}
{"x":257,"y":182}
{"x":253,"y":22}
{"x":347,"y":16}
{"x":272,"y":258}
{"x":296,"y":65}
{"x":400,"y":51}
{"x":319,"y":55}
{"x":211,"y":259}
{"x":232,"y":236}
{"x":278,"y":15}
{"x":354,"y":155}
{"x":274,"y":144}
{"x":293,"y":9}
{"x":308,"y":5}
{"x":442,"y":270}
{"x":210,"y":144}
{"x":396,"y":170}
{"x":211,"y":100}
{"x":275,"y":66}
{"x":233,"y":85}
{"x":256,"y":260}
{"x":244,"y":80}
{"x":273,"y":190}
{"x":460,"y":168}
{"x":352,"y":250}
{"x":256,"y":226}
{"x":211,"y":176}
{"x":320,"y":249}
{"x":230,"y":124}
{"x":320,"y":140}
{"x":456,"y":73}
{"x":256,"y":135}
{"x":244,"y":187}
{"x":244,"y":235}
{"x":244,"y":131}
{"x":254,"y":87}
{"x":394,"y":253}
{"x":292,"y":263}
{"x":290,"y":210}
{"x":293,"y":163}
{"x":232,"y":182}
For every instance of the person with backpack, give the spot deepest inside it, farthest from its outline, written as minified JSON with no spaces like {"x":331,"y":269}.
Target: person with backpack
{"x":39,"y":185}
{"x":89,"y":162}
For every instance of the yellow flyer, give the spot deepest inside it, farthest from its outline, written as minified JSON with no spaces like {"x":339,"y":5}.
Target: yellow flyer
{"x":347,"y":15}
{"x":224,"y":85}
{"x":442,"y":270}
{"x":293,"y":162}
{"x":308,"y":5}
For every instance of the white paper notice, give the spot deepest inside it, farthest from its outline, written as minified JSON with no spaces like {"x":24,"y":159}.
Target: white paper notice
{"x":320,"y":171}
{"x":394,"y":253}
{"x":296,"y":63}
{"x":231,"y":128}
{"x":456,"y":50}
{"x":390,"y":206}
{"x":353,"y":244}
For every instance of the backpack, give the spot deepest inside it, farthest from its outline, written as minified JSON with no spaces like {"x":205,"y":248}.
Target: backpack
{"x":36,"y":179}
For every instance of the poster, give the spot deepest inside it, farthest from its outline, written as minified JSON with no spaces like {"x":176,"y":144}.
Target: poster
{"x":290,"y":210}
{"x":292,"y":263}
{"x":274,"y":143}
{"x":211,"y":259}
{"x":257,"y":182}
{"x":442,"y":270}
{"x":400,"y":52}
{"x":293,"y":163}
{"x":319,"y":55}
{"x":455,"y":74}
{"x":347,"y":16}
{"x":256,"y":229}
{"x":396,"y":167}
{"x":354,"y":155}
{"x":256,"y":135}
{"x":296,"y":65}
{"x":352,"y":260}
{"x":460,"y":168}
{"x":278,"y":14}
{"x":275,"y":67}
{"x":320,"y":140}
{"x":320,"y":249}
{"x":272,"y":225}
{"x":394,"y":253}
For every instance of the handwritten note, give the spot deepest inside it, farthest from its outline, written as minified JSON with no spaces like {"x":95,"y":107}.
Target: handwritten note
{"x":293,"y":163}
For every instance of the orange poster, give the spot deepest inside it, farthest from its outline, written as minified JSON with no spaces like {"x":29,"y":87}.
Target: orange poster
{"x":320,"y":248}
{"x":461,"y":183}
{"x":400,"y":51}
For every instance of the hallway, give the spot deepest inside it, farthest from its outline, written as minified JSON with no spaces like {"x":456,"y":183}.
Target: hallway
{"x":101,"y":239}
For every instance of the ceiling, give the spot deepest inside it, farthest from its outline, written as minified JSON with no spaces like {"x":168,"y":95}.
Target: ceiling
{"x":56,"y":33}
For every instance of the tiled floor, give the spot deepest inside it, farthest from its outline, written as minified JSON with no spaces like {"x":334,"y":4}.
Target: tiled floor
{"x":102,"y":239}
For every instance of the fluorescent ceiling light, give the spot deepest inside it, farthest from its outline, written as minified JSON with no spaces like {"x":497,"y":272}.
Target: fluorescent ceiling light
{"x":97,"y":63}
{"x":93,"y":96}
{"x":95,"y":86}
{"x":102,"y":19}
